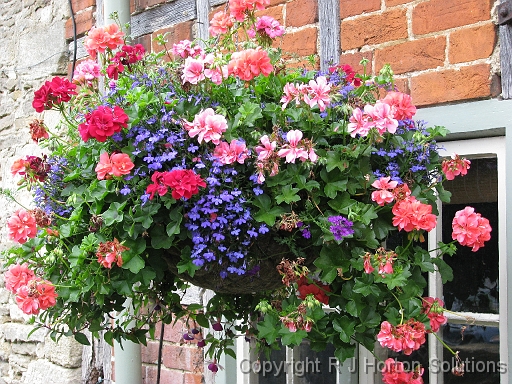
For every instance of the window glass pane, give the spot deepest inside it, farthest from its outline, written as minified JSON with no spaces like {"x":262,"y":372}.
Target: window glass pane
{"x":474,"y":287}
{"x":478,"y":348}
{"x":317,"y":367}
{"x":273,"y":370}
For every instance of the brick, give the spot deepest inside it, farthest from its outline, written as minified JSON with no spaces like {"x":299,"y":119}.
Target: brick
{"x":193,"y":378}
{"x":392,"y":3}
{"x":183,"y":357}
{"x":276,"y":2}
{"x":84,"y":22}
{"x":176,"y":33}
{"x":172,"y":332}
{"x":353,"y":8}
{"x":439,"y":15}
{"x":354,"y":60}
{"x":143,"y":4}
{"x":415,"y":55}
{"x":470,"y":44}
{"x":300,"y":43}
{"x":275,"y":12}
{"x":470,"y":82}
{"x":304,"y":64}
{"x":167,"y":376}
{"x":149,"y":352}
{"x":80,"y":5}
{"x":375,"y":29}
{"x":301,"y":12}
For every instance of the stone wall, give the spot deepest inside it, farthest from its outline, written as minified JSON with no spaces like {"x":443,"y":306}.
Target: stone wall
{"x":33,"y":50}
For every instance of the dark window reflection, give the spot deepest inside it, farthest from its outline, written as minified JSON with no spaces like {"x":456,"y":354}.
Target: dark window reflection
{"x":478,"y":348}
{"x":273,"y":370}
{"x":320,"y":367}
{"x":474,"y":287}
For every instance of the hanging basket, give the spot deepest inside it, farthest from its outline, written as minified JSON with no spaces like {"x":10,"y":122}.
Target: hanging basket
{"x":265,"y":254}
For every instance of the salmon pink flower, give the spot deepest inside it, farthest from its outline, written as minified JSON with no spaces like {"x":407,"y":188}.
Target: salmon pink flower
{"x":250,"y":63}
{"x":411,"y":214}
{"x":118,"y":164}
{"x":470,"y":228}
{"x":17,"y":275}
{"x":99,"y":39}
{"x":407,"y":337}
{"x":401,"y":105}
{"x":220,"y":23}
{"x":455,"y":166}
{"x":22,"y":226}
{"x":394,"y":373}
{"x":382,"y":117}
{"x":236,"y":151}
{"x":37,"y":295}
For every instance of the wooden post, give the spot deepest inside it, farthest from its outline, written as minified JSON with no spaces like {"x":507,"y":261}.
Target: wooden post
{"x":329,"y":20}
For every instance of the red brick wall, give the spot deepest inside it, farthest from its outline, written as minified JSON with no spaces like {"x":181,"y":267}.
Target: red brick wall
{"x":441,"y":49}
{"x":182,"y":361}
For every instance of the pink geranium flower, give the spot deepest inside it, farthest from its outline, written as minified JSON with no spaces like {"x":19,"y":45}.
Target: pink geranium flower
{"x":37,"y":295}
{"x":293,"y":150}
{"x":407,"y":337}
{"x":22,"y":226}
{"x":250,"y":63}
{"x":207,"y":126}
{"x":292,"y":92}
{"x":401,"y":105}
{"x":318,"y":93}
{"x":359,"y":123}
{"x":455,"y":166}
{"x":394,"y":373}
{"x":384,"y":193}
{"x":193,"y":71}
{"x":382,"y":117}
{"x":266,"y":149}
{"x":99,"y":39}
{"x":267,"y":25}
{"x":470,"y":228}
{"x":411,"y":214}
{"x":185,"y":49}
{"x":433,"y":307}
{"x":17,"y":275}
{"x":86,"y":72}
{"x":220,"y":23}
{"x":236,"y":151}
{"x":118,"y":164}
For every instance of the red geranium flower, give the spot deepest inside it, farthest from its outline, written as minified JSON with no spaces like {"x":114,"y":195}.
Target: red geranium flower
{"x":103,"y":122}
{"x":318,"y":290}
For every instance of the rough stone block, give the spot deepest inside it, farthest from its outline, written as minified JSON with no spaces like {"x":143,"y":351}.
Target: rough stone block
{"x":19,"y":332}
{"x":43,"y":371}
{"x":67,"y":352}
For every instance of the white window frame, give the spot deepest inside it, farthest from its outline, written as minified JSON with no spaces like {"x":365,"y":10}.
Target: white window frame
{"x":493,"y":147}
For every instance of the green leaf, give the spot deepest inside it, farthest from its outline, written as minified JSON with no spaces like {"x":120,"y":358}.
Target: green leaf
{"x":268,"y":329}
{"x":292,"y":338}
{"x":366,"y":288}
{"x":345,"y":352}
{"x":114,"y":214}
{"x":444,"y":269}
{"x":288,"y":195}
{"x":81,"y":338}
{"x":135,"y":264}
{"x":345,"y":327}
{"x":202,"y":320}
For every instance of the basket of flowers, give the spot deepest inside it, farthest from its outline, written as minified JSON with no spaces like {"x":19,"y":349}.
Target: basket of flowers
{"x":222,"y":165}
